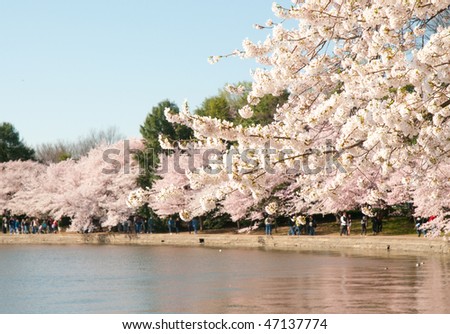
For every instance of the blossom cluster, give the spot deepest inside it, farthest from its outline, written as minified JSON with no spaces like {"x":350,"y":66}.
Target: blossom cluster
{"x":136,"y":198}
{"x":271,"y":208}
{"x":367,"y":211}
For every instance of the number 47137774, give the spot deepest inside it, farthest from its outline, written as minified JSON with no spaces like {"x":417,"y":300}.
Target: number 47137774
{"x":296,"y":324}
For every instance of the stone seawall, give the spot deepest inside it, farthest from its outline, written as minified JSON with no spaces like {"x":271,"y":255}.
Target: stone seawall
{"x":374,"y":244}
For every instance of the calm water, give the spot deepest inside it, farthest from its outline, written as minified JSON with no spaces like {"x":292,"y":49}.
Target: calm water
{"x":121,"y":279}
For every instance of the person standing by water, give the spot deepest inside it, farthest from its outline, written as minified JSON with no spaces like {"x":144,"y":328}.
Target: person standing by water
{"x":18,"y":226}
{"x":4,"y":225}
{"x":291,"y":223}
{"x":375,"y":225}
{"x":300,"y":224}
{"x":127,"y":226}
{"x":308,"y":225}
{"x":343,"y":221}
{"x":364,"y":225}
{"x":189,"y":225}
{"x":55,"y":226}
{"x":312,"y":225}
{"x":138,"y":224}
{"x":268,"y":223}
{"x":12,"y":225}
{"x":349,"y":223}
{"x":380,"y":223}
{"x":419,"y":230}
{"x":177,"y":225}
{"x":195,"y":224}
{"x":150,"y":224}
{"x":34,"y":226}
{"x":44,"y":227}
{"x":144,"y":225}
{"x":170,"y":224}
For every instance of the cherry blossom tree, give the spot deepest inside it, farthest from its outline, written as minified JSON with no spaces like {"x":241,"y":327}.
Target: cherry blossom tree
{"x":17,"y":177}
{"x":369,"y":99}
{"x":97,"y":186}
{"x":180,"y":187}
{"x":93,"y":188}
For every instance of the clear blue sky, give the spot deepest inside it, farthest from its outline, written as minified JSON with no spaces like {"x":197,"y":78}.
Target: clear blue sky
{"x":67,"y":67}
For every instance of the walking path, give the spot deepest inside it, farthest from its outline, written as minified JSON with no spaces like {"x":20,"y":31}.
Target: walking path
{"x":408,"y":244}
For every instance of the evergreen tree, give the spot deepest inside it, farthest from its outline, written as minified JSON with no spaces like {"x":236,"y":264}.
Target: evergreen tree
{"x":154,"y":125}
{"x":11,"y":146}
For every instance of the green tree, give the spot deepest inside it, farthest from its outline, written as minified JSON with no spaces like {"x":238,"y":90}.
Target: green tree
{"x":264,"y":111}
{"x":217,"y":107}
{"x":225,"y":106}
{"x":154,"y":125}
{"x":11,"y":146}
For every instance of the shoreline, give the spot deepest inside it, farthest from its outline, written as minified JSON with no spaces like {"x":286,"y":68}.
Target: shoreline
{"x":401,"y":245}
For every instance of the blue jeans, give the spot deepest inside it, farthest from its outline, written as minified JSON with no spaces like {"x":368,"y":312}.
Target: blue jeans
{"x":138,"y":227}
{"x":268,"y":229}
{"x":300,"y":229}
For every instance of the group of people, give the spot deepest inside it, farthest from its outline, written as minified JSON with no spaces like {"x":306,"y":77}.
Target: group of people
{"x":345,"y":220}
{"x":16,"y":225}
{"x":302,"y":225}
{"x":346,"y":224}
{"x":174,"y":225}
{"x":421,"y":225}
{"x":140,"y":225}
{"x":137,"y":225}
{"x":298,"y":225}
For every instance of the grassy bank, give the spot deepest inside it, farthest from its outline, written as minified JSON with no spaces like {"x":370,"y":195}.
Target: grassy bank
{"x":392,"y":226}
